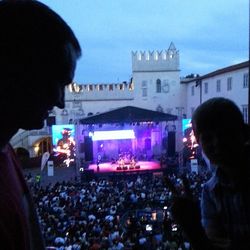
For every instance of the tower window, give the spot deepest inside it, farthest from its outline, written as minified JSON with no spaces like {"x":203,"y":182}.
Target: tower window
{"x":144,"y":89}
{"x":158,"y":86}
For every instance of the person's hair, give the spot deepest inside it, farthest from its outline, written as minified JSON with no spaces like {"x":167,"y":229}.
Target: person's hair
{"x":30,"y":30}
{"x":217,"y":113}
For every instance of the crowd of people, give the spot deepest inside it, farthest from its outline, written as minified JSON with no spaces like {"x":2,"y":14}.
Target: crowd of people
{"x":129,"y":212}
{"x":39,"y":54}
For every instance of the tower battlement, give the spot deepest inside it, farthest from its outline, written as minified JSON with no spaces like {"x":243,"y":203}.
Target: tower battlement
{"x":165,"y":60}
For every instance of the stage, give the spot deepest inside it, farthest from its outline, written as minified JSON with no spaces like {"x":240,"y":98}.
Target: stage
{"x":110,"y":167}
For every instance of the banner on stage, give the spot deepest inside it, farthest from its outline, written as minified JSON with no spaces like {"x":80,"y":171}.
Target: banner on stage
{"x":194,"y":166}
{"x":44,"y":160}
{"x":50,"y":168}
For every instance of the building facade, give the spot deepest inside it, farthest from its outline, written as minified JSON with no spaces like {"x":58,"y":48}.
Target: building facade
{"x":231,"y":82}
{"x":155,"y":85}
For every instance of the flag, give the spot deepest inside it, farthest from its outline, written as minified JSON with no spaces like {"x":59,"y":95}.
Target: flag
{"x":44,"y":160}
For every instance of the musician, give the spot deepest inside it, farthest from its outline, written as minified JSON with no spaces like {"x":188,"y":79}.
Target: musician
{"x":99,"y":158}
{"x":133,"y":162}
{"x":66,"y":145}
{"x":121,"y":162}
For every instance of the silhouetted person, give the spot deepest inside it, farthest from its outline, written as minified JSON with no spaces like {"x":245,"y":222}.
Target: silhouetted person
{"x":38,"y":54}
{"x":224,"y":222}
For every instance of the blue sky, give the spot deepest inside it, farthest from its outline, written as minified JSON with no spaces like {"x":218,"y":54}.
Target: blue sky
{"x":208,"y":34}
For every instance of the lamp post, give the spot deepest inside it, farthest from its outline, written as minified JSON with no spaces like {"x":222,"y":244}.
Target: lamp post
{"x":199,"y":84}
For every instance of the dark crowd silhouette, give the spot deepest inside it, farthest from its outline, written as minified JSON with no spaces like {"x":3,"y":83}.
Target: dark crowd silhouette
{"x":122,"y":212}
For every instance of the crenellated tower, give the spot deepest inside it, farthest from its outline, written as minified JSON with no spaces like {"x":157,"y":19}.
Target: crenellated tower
{"x":156,"y":61}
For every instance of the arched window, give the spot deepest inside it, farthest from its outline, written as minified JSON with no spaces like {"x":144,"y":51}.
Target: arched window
{"x":158,"y":86}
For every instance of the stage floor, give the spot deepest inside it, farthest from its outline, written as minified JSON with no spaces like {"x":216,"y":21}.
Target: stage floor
{"x":109,"y":167}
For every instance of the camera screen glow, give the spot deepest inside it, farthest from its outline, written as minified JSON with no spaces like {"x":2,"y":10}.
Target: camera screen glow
{"x":112,"y":135}
{"x":149,"y":227}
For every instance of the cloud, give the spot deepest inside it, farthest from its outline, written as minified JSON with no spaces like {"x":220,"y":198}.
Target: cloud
{"x":208,"y":34}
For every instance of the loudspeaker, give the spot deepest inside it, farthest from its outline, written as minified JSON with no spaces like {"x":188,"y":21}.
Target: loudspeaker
{"x":171,"y":144}
{"x":147,"y":144}
{"x":88,"y":148}
{"x":81,"y":147}
{"x":51,"y":120}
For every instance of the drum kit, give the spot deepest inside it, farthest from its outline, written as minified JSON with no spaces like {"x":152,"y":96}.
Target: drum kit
{"x":126,"y":161}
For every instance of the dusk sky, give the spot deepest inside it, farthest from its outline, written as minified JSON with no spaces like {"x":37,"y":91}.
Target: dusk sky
{"x":208,"y":34}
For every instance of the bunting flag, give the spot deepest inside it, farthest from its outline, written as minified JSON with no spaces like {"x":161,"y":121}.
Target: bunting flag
{"x":44,"y":160}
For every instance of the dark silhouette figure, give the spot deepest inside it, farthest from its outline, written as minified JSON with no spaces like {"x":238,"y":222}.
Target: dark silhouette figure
{"x":38,"y":54}
{"x":222,"y":218}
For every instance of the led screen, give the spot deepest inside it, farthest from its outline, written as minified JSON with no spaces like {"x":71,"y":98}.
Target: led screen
{"x":63,"y":139}
{"x":186,"y":123}
{"x":112,"y":135}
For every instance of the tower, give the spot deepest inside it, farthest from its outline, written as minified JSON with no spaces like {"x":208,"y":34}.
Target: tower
{"x":156,"y":61}
{"x":156,"y":77}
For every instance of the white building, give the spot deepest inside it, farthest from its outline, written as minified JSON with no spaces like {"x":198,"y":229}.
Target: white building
{"x":155,"y":85}
{"x":230,"y":82}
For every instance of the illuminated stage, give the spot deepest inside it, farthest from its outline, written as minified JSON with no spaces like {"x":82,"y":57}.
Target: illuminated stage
{"x":110,"y":167}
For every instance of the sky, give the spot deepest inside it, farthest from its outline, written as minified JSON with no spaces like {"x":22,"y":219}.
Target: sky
{"x":209,"y":35}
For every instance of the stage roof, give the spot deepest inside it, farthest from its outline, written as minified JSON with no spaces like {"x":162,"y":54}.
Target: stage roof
{"x":128,"y":114}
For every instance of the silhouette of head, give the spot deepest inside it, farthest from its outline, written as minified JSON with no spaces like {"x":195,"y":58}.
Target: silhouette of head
{"x":219,"y":128}
{"x":38,"y":54}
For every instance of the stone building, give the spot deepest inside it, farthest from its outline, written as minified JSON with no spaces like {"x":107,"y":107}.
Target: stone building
{"x":155,"y":84}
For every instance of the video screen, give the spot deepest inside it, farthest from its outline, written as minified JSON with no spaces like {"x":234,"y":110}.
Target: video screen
{"x":112,"y":135}
{"x":186,"y":124}
{"x":63,"y":139}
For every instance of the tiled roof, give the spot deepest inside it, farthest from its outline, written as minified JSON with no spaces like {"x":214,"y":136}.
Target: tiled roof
{"x":218,"y":72}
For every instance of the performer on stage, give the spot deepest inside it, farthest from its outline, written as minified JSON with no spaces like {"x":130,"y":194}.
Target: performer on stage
{"x":121,"y":161}
{"x":133,"y":162}
{"x":66,"y":146}
{"x":99,"y":157}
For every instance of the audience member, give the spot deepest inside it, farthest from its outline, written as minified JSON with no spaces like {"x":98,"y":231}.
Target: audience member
{"x":38,"y":53}
{"x":225,"y":202}
{"x":68,"y":210}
